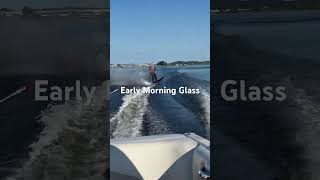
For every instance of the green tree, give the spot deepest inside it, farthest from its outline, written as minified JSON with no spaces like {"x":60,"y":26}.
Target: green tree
{"x":162,"y":63}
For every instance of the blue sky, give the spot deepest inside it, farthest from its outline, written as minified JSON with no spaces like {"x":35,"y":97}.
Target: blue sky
{"x":153,"y":30}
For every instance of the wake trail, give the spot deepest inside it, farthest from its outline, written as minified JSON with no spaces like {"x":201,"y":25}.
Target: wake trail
{"x":72,"y":144}
{"x":127,"y":122}
{"x":205,"y":103}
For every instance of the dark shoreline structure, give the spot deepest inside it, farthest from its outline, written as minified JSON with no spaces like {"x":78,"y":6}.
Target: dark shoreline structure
{"x":264,"y":5}
{"x":66,"y":11}
{"x":267,"y":140}
{"x":183,"y":63}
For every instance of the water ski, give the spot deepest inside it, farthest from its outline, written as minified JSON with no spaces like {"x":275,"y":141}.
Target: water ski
{"x":158,"y":80}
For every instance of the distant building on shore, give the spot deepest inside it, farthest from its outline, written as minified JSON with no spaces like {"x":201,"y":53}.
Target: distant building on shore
{"x":4,"y":11}
{"x":9,"y":12}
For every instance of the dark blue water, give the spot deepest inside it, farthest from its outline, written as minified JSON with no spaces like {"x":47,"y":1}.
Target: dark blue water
{"x":18,"y":125}
{"x":50,"y":140}
{"x":150,"y":114}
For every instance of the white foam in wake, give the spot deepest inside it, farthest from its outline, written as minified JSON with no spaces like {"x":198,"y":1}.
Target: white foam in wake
{"x":127,"y":122}
{"x":146,"y":83}
{"x":205,"y":100}
{"x":72,"y":144}
{"x":129,"y":76}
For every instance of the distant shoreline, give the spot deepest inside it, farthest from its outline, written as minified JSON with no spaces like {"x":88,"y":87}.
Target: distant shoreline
{"x":186,"y":63}
{"x":163,"y":63}
{"x":66,"y":11}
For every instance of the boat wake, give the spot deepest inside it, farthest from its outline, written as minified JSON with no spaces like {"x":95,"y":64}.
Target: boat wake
{"x":205,"y":103}
{"x":305,"y":109}
{"x":140,"y":114}
{"x":197,"y":103}
{"x":73,"y":143}
{"x":128,"y":120}
{"x":130,"y":76}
